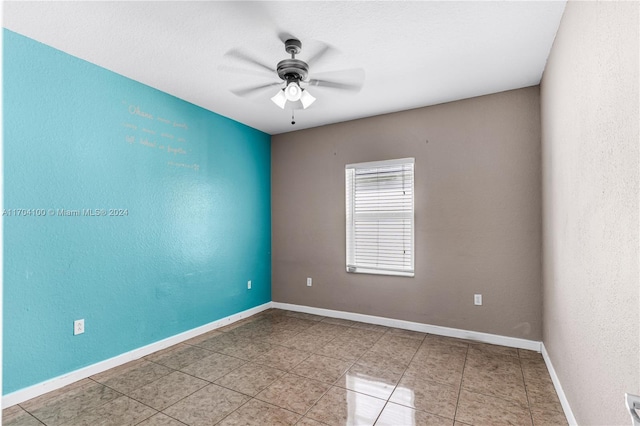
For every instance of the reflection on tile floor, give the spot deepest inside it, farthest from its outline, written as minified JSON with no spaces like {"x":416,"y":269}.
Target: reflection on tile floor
{"x":288,"y":368}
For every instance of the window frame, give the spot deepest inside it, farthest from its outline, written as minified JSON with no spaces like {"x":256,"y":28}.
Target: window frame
{"x":350,"y":219}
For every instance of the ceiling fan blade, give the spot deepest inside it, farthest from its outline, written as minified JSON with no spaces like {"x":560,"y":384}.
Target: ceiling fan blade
{"x":325,"y":51}
{"x":240,"y":55}
{"x":350,"y":80}
{"x":336,"y":85}
{"x":284,"y":36}
{"x":238,"y":70}
{"x":248,"y":91}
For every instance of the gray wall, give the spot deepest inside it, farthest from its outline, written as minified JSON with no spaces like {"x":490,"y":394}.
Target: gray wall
{"x":589,"y":102}
{"x":478,"y":214}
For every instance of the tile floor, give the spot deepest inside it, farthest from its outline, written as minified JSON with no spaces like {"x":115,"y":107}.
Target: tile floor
{"x":282,"y":367}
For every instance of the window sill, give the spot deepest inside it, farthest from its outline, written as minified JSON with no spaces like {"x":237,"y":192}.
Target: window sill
{"x":353,"y":270}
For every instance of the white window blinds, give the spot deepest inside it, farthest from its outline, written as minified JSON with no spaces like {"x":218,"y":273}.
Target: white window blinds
{"x":380,"y":218}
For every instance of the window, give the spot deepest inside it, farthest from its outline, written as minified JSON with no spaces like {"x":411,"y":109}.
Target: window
{"x":379,"y":203}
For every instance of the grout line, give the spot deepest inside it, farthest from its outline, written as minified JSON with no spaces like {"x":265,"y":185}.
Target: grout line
{"x":237,"y":408}
{"x":526,"y":391}
{"x":464,"y":366}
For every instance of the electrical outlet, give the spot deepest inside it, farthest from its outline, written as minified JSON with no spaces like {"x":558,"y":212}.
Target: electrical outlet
{"x":309,"y":282}
{"x":477,"y":299}
{"x":249,"y":284}
{"x":78,"y":327}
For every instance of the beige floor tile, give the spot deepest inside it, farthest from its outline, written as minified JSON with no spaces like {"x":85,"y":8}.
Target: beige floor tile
{"x":259,"y":413}
{"x":250,"y":378}
{"x":282,"y":358}
{"x":307,"y":342}
{"x":510,"y":388}
{"x":360,"y":335}
{"x":445,"y":353}
{"x":60,"y":406}
{"x":392,"y":339}
{"x":246,"y":349}
{"x":160,"y":420}
{"x":294,"y":393}
{"x":369,"y":381}
{"x":302,"y":315}
{"x":306,"y":421}
{"x":16,"y":416}
{"x":324,"y":329}
{"x":403,"y":354}
{"x":494,"y":349}
{"x":478,"y":355}
{"x":344,"y":348}
{"x":541,"y":391}
{"x":416,"y":335}
{"x":132,"y":375}
{"x":254,"y":330}
{"x":436,"y":371}
{"x":526,"y":354}
{"x":179,"y":356}
{"x":424,"y":395}
{"x":168,"y":390}
{"x":195,"y":341}
{"x":213,"y":367}
{"x":339,"y":321}
{"x":399,"y":415}
{"x":207,"y":406}
{"x":122,"y":411}
{"x":235,"y":325}
{"x":322,"y":368}
{"x":435,"y":340}
{"x":495,"y":375}
{"x":543,"y":416}
{"x":382,"y":362}
{"x":297,"y":324}
{"x":476,"y":409}
{"x":371,"y":327}
{"x":216,"y":342}
{"x":344,"y":407}
{"x":277,"y":337}
{"x":534,"y":369}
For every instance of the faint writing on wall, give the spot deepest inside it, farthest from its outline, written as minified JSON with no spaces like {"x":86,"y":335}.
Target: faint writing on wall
{"x":158,"y":133}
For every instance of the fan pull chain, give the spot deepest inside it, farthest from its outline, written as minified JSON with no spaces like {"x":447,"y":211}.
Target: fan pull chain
{"x":293,"y":120}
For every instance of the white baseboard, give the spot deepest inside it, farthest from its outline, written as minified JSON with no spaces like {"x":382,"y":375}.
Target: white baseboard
{"x":494,"y":339}
{"x":82,"y":373}
{"x":556,"y":384}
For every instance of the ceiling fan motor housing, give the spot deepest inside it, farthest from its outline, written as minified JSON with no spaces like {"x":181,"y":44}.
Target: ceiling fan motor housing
{"x":293,"y":69}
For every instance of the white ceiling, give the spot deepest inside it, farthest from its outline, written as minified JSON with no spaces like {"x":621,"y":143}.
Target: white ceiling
{"x":414,"y":54}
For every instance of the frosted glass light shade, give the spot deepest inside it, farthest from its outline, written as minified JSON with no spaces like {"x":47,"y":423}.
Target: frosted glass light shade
{"x":280,"y":99}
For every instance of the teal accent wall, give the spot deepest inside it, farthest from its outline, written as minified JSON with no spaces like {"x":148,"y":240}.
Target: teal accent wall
{"x":195,"y":187}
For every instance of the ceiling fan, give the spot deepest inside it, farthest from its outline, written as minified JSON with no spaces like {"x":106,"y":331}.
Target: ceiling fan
{"x":294,"y":76}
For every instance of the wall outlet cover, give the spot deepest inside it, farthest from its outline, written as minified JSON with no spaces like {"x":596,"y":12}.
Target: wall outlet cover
{"x":477,"y":299}
{"x":78,"y":327}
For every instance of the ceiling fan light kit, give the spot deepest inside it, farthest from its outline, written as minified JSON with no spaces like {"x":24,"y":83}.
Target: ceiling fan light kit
{"x":293,"y":93}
